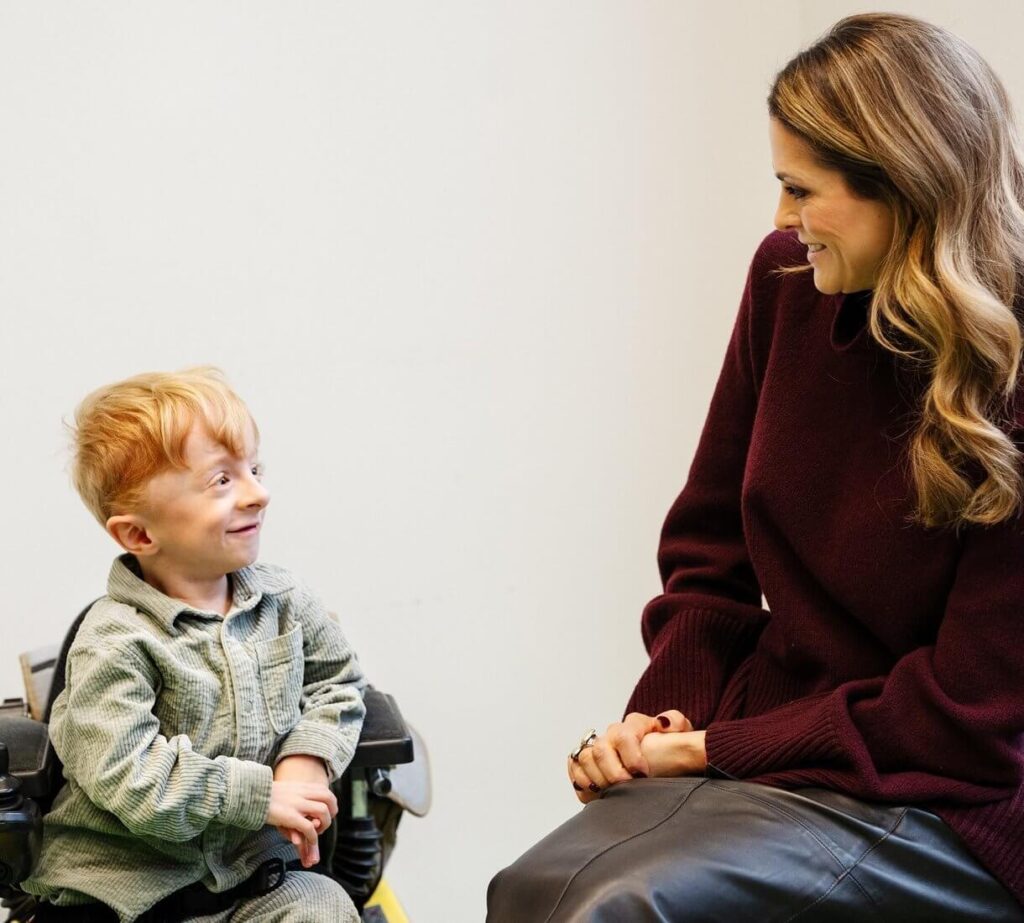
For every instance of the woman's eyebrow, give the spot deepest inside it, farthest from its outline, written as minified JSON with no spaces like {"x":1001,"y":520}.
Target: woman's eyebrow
{"x":788,"y":178}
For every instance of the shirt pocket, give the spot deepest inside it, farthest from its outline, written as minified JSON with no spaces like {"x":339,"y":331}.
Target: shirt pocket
{"x":282,"y":666}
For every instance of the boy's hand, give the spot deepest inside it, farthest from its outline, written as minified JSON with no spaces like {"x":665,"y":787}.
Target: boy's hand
{"x":304,"y":769}
{"x":301,"y":768}
{"x":300,"y":810}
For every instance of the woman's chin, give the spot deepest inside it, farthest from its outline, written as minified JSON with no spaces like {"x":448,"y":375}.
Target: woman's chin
{"x":824,"y":286}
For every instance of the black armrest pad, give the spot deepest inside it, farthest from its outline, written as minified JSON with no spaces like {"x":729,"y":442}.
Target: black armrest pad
{"x":31,"y":756}
{"x":385,"y":740}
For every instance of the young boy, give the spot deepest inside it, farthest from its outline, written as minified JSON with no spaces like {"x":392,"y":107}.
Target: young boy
{"x":210,"y":700}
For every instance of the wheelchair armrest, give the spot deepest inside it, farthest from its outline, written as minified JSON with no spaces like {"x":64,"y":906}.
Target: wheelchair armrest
{"x":385,"y":740}
{"x":26,"y":766}
{"x":32,"y":759}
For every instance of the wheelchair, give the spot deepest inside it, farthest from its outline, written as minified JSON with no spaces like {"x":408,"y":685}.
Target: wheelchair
{"x":389,"y":774}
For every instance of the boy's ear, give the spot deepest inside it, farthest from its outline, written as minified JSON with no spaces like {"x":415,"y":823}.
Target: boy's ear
{"x":130,"y":533}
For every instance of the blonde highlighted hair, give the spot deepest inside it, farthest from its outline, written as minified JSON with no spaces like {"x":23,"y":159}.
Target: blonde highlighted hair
{"x":127,"y":432}
{"x":912,"y":116}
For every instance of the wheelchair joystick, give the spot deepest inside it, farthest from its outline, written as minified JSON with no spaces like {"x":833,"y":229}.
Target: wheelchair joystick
{"x":21,"y":827}
{"x":379,"y":782}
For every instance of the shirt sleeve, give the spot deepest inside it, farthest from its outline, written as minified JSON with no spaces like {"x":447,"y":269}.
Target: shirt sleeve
{"x":332,"y":691}
{"x":709,"y":616}
{"x":946,"y":723}
{"x":107,"y":736}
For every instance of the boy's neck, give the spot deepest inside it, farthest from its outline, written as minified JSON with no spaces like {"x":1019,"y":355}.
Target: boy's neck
{"x":209,"y":594}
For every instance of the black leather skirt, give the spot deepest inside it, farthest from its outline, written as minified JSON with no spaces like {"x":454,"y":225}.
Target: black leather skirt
{"x":695,"y":849}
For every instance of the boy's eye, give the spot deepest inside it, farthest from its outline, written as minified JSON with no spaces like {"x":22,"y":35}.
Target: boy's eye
{"x":257,"y":471}
{"x":222,"y":480}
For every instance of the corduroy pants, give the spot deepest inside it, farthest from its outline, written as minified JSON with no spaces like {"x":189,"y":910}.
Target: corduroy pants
{"x":303,"y":897}
{"x":694,"y":849}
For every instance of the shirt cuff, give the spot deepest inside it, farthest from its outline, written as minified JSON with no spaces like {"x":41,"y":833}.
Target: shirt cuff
{"x":332,"y":747}
{"x":248,"y":794}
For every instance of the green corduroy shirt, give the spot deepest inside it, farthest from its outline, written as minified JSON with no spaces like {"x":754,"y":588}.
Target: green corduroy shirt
{"x":169,"y":726}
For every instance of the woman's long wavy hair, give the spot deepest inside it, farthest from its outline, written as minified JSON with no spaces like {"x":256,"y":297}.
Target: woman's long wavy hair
{"x":912,"y":116}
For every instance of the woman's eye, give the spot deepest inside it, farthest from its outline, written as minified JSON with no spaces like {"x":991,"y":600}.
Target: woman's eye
{"x":794,"y":192}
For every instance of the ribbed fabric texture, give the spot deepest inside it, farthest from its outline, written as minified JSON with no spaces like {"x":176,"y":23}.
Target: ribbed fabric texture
{"x":169,"y":726}
{"x":886,"y":663}
{"x":303,"y":897}
{"x":687,"y":639}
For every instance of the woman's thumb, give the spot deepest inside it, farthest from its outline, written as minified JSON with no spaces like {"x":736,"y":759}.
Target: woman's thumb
{"x":673,"y":720}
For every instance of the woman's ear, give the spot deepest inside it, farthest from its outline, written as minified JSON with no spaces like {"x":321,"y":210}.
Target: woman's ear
{"x":130,"y":533}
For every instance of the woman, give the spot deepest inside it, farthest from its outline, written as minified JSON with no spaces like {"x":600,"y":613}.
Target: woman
{"x":856,"y":752}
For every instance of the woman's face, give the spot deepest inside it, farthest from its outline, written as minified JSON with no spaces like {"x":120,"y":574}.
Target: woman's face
{"x":820,"y":207}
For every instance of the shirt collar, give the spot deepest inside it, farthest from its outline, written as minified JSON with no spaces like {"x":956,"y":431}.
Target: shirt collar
{"x":248,"y":586}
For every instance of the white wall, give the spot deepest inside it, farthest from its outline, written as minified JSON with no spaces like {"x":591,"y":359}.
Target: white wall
{"x":473,"y":265}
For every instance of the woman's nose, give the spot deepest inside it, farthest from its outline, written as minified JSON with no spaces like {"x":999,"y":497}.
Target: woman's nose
{"x":785,"y":217}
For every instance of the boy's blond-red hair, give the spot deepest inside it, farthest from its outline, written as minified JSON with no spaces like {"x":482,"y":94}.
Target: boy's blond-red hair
{"x":127,"y":432}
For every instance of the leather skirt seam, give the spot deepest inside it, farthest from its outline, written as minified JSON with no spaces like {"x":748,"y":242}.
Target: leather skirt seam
{"x":639,"y":833}
{"x":775,"y":808}
{"x":849,"y":873}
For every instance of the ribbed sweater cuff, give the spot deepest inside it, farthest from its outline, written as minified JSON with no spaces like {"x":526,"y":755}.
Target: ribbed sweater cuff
{"x":690,"y":658}
{"x":801,"y":734}
{"x":335,"y":746}
{"x":248,"y":794}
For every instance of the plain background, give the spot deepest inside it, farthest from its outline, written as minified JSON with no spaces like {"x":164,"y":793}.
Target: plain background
{"x":472,"y":264}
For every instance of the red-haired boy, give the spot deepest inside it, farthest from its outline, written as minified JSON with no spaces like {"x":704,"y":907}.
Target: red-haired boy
{"x":210,"y":699}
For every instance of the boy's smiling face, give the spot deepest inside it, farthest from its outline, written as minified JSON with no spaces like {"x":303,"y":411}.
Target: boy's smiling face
{"x":202,"y":522}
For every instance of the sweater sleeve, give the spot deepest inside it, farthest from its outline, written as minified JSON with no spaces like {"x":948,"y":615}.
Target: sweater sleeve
{"x":710,"y":615}
{"x":105,"y":732}
{"x":946,"y":723}
{"x":332,"y":690}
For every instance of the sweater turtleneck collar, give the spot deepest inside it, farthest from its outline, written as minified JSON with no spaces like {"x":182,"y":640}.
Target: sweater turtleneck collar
{"x":850,"y":324}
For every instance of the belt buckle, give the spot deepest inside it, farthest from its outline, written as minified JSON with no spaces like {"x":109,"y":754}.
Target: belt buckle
{"x":268,"y":876}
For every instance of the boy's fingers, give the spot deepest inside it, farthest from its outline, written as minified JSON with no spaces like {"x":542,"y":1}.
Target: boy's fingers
{"x":317,"y":814}
{"x":321,"y":793}
{"x":303,"y":826}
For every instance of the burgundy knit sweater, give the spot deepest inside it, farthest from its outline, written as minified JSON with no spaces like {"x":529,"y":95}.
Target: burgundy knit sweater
{"x":890,"y":665}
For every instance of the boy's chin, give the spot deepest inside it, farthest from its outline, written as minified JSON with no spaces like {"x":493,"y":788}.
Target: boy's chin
{"x":238,"y":561}
{"x":247,"y":560}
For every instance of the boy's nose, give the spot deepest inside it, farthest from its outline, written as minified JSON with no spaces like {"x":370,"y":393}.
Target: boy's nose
{"x":258,"y":496}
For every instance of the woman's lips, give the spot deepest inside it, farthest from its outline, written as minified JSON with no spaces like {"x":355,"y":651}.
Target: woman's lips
{"x":245,"y":530}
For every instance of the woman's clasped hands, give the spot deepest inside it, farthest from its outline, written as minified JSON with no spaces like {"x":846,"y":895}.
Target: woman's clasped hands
{"x":639,"y":746}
